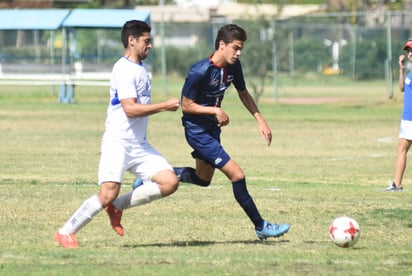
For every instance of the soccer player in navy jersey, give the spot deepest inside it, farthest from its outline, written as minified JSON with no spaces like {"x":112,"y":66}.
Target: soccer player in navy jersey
{"x":203,"y":118}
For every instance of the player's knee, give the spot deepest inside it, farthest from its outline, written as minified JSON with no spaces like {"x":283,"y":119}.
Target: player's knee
{"x":167,"y":182}
{"x":108,"y":192}
{"x":237,"y":176}
{"x":169,"y":186}
{"x":174,"y":184}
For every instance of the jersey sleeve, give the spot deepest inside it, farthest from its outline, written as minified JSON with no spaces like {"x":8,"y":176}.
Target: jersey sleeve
{"x":126,"y":81}
{"x":194,"y":81}
{"x":238,"y":79}
{"x":192,"y":84}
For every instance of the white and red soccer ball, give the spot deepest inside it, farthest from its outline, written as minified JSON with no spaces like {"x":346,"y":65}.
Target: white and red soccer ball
{"x":344,"y":231}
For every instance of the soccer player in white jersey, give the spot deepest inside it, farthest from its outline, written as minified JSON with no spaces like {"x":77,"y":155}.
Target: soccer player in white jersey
{"x":124,"y":145}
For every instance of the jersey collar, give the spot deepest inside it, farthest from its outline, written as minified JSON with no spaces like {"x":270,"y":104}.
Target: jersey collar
{"x":214,"y":64}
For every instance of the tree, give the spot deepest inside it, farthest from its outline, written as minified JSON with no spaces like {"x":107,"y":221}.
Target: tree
{"x":260,"y":58}
{"x":258,"y":55}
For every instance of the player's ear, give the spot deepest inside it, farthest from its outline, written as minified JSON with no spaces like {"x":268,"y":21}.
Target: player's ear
{"x":131,"y":40}
{"x":222,"y":45}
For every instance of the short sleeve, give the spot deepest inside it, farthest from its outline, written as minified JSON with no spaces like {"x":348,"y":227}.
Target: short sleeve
{"x":193,"y":84}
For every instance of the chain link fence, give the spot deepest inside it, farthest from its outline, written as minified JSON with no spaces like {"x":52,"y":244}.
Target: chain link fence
{"x":359,"y":46}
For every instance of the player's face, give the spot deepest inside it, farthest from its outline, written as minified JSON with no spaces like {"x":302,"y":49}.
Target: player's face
{"x":142,"y":45}
{"x":409,"y":53}
{"x":232,"y":51}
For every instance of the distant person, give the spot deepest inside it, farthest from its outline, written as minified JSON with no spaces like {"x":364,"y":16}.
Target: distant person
{"x":124,"y":144}
{"x":405,"y":130}
{"x":203,"y":118}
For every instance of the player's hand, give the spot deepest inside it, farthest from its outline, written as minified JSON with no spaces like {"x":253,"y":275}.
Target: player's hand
{"x":265,"y":133}
{"x":402,"y":61}
{"x":172,"y":104}
{"x":221,"y":117}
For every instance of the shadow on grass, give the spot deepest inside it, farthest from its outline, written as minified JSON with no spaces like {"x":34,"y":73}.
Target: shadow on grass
{"x":203,"y":243}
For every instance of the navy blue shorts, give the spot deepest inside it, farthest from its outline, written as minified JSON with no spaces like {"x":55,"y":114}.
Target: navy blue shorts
{"x":206,"y":145}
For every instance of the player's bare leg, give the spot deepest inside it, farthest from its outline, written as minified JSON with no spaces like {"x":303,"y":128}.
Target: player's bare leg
{"x":108,"y":192}
{"x":161,"y":184}
{"x":402,"y":151}
{"x":83,"y":215}
{"x":204,"y":171}
{"x":166,"y":181}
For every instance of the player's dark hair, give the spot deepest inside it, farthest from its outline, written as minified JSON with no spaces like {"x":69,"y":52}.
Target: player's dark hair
{"x":135,"y":28}
{"x":228,"y":33}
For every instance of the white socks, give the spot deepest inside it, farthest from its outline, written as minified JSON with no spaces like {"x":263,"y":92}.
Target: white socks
{"x":143,"y":194}
{"x":82,"y":216}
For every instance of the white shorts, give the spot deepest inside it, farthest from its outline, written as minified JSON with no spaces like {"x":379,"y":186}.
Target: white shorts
{"x":140,"y":159}
{"x":405,"y":130}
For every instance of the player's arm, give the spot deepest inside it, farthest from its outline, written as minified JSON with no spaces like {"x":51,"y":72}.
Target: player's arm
{"x":401,"y":69}
{"x":134,"y":109}
{"x":189,"y":106}
{"x":251,"y":106}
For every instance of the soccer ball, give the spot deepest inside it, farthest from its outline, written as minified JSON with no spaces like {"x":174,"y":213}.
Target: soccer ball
{"x":344,"y":231}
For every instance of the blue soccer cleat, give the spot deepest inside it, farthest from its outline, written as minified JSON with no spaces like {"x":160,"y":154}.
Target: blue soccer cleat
{"x":272,"y":230}
{"x":138,"y":182}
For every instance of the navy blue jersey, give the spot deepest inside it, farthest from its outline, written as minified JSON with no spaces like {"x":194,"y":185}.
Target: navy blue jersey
{"x":206,"y":84}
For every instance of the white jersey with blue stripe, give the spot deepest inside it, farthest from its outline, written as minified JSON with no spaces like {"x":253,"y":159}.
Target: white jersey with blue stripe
{"x":128,"y":80}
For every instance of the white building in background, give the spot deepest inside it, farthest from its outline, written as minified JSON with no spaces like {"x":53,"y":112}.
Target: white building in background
{"x":200,"y":3}
{"x":189,"y":14}
{"x":201,"y":10}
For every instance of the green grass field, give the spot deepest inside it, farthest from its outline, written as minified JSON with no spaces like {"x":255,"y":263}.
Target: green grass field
{"x":326,"y":160}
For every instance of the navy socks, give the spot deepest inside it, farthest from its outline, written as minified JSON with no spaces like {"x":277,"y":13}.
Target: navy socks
{"x":246,"y":202}
{"x":188,"y":175}
{"x":242,"y":196}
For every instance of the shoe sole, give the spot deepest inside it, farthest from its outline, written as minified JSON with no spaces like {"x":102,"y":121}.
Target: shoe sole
{"x":393,"y":190}
{"x":280,"y":235}
{"x":119,"y":230}
{"x":57,"y":241}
